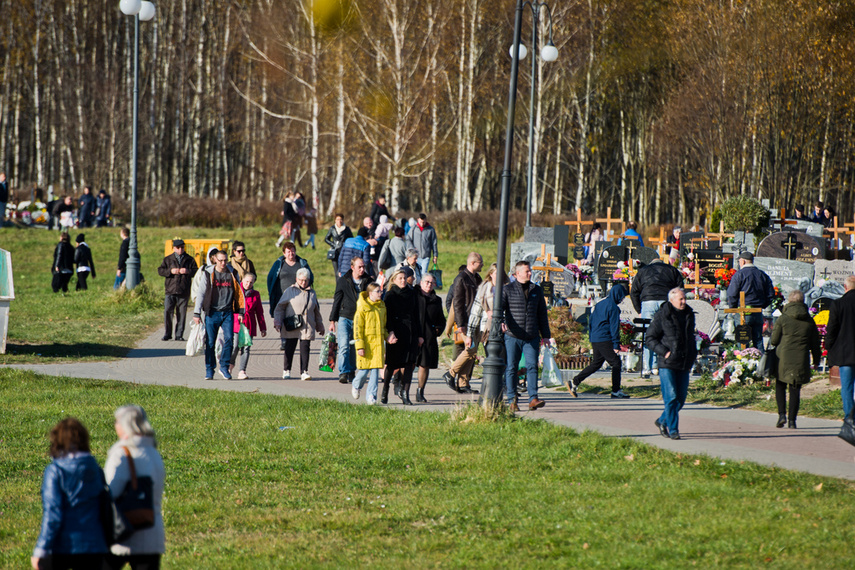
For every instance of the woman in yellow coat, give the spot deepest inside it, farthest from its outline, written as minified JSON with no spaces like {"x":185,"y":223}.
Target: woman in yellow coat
{"x":369,"y":333}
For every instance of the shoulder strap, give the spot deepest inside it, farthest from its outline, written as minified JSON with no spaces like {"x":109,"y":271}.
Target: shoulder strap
{"x":132,"y":467}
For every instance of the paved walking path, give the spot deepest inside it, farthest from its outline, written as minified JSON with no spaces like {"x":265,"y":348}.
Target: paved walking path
{"x":730,"y":434}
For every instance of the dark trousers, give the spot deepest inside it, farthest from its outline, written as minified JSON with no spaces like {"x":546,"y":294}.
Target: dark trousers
{"x":290,"y":347}
{"x":755,"y":321}
{"x":137,"y":562}
{"x":178,"y":306}
{"x":406,"y":377}
{"x":603,"y":352}
{"x":781,"y":398}
{"x":81,"y":280}
{"x":60,"y":281}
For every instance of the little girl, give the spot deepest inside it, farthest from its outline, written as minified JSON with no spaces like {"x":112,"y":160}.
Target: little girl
{"x":369,"y":333}
{"x":254,"y":314}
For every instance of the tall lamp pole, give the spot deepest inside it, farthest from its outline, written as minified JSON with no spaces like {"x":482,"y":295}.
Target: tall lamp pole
{"x":549,"y":54}
{"x":140,"y":10}
{"x":494,"y":364}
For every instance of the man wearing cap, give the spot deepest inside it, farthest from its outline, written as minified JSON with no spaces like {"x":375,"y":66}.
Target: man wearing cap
{"x":178,"y":269}
{"x":759,"y":292}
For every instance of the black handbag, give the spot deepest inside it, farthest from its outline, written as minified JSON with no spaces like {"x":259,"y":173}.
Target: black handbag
{"x":114,"y":524}
{"x":331,"y":253}
{"x":294,"y":322}
{"x":847,"y":432}
{"x":136,"y":502}
{"x":769,"y":363}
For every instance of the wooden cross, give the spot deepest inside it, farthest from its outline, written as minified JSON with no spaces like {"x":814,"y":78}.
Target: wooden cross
{"x":782,"y":220}
{"x":697,"y":283}
{"x":547,"y":267}
{"x":791,"y":246}
{"x":742,"y":310}
{"x":543,"y":254}
{"x":720,"y":235}
{"x":608,"y":220}
{"x":835,"y":230}
{"x":578,"y":222}
{"x":630,"y":247}
{"x":659,"y":242}
{"x":701,"y":241}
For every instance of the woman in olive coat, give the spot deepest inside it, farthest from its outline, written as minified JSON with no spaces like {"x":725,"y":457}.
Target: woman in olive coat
{"x":797,"y":338}
{"x":402,"y":319}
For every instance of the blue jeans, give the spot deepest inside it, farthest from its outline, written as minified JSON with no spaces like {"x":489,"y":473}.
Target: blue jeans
{"x":373,"y":375}
{"x":424,"y":264}
{"x":755,"y":321}
{"x":118,"y":282}
{"x":213,"y":322}
{"x":846,"y":388}
{"x":649,"y":361}
{"x":675,"y":386}
{"x":515,"y":347}
{"x":346,"y":359}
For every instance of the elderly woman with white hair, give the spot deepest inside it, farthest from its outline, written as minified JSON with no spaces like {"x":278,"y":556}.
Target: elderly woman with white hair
{"x":797,"y":338}
{"x":297,"y":316}
{"x":136,"y":455}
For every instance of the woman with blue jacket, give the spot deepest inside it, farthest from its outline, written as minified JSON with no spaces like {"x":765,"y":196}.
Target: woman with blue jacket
{"x":71,"y":534}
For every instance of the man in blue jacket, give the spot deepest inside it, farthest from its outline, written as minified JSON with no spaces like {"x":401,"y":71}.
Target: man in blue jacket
{"x":354,"y":247}
{"x":759,"y":292}
{"x":604,"y":332}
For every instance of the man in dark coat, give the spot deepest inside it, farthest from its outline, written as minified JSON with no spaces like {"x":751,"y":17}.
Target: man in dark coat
{"x":178,"y":269}
{"x":465,"y":287}
{"x":840,"y":342}
{"x":759,"y":292}
{"x":105,"y":209}
{"x":672,"y":336}
{"x":379,"y":209}
{"x":649,"y":290}
{"x":526,"y":326}
{"x":86,"y":208}
{"x":62,"y":267}
{"x":347,"y":290}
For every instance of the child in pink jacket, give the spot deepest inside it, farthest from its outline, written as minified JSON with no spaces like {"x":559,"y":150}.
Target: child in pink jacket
{"x":253,"y":317}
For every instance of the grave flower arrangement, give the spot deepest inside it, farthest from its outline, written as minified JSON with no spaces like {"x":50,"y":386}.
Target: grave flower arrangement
{"x":723,"y":277}
{"x":582,"y":274}
{"x":741,"y":367}
{"x":627,"y":336}
{"x":621,"y":273}
{"x":702,"y":340}
{"x":688,"y":270}
{"x":821,"y":318}
{"x":777,"y":299}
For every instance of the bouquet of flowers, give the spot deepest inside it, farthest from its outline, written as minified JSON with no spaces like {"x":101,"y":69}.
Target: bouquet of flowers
{"x":723,"y":277}
{"x":740,"y":367}
{"x":627,"y":336}
{"x":580,"y":273}
{"x":777,"y":299}
{"x":688,"y":270}
{"x":622,"y":273}
{"x":702,"y":340}
{"x":821,"y":318}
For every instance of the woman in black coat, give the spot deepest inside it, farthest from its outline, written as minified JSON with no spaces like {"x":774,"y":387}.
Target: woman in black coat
{"x":63,"y":264}
{"x":83,"y":260}
{"x":671,"y":335}
{"x":402,"y":320}
{"x":433,"y":322}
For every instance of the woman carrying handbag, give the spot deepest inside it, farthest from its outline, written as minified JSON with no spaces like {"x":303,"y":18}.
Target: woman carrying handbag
{"x":297,"y":317}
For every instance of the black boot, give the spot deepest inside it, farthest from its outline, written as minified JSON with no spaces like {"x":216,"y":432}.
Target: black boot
{"x":405,"y":395}
{"x":396,"y":381}
{"x":384,"y":397}
{"x":791,"y":424}
{"x":782,"y":419}
{"x":420,"y":395}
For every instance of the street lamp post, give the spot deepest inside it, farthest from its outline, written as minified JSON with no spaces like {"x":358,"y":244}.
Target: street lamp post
{"x":140,"y":10}
{"x":494,"y":364}
{"x":549,"y":53}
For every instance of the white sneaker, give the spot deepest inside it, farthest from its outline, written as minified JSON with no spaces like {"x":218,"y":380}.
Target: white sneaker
{"x":620,"y":394}
{"x":370,"y":401}
{"x":355,"y":392}
{"x":305,"y":376}
{"x":242,"y":375}
{"x":286,"y":374}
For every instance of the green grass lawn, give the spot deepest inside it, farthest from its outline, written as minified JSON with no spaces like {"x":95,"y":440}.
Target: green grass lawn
{"x":260,"y":481}
{"x":99,"y":324}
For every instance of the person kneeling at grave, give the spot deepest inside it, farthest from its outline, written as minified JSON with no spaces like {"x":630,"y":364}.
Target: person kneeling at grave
{"x":604,"y":333}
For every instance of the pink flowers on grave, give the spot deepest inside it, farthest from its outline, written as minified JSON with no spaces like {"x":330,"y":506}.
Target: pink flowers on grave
{"x":742,"y":367}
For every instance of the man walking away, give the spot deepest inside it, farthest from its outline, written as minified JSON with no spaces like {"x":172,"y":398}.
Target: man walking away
{"x":759,"y":292}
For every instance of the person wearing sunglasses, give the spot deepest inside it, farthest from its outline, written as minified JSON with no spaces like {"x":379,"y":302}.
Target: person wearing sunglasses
{"x":240,"y":262}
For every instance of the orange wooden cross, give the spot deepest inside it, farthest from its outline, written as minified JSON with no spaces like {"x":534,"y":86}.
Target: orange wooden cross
{"x":697,"y":283}
{"x":782,"y":220}
{"x":835,"y":231}
{"x":543,"y":254}
{"x":608,"y":220}
{"x":742,"y":310}
{"x":547,"y":267}
{"x":720,"y":235}
{"x":578,"y":222}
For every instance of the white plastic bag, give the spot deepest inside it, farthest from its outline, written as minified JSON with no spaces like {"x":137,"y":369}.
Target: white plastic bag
{"x":196,"y":340}
{"x":550,"y":376}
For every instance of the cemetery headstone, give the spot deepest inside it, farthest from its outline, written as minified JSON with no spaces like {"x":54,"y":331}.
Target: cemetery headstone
{"x":810,"y":228}
{"x":561,"y":282}
{"x":788,"y":275}
{"x":557,"y":236}
{"x":522,"y":251}
{"x":793,"y":246}
{"x":706,"y":316}
{"x":826,"y":292}
{"x":645,"y":255}
{"x":7,"y":293}
{"x":835,"y":270}
{"x":608,"y":262}
{"x":578,"y":246}
{"x":713,"y":259}
{"x":627,"y":311}
{"x":686,"y":244}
